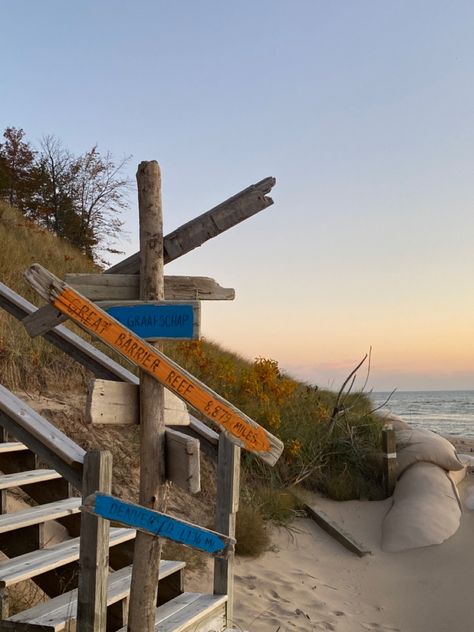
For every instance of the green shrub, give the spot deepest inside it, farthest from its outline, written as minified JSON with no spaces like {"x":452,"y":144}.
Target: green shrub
{"x":250,"y":532}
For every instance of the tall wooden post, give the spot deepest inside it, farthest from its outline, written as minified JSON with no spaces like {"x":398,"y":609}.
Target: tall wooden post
{"x":147,"y":554}
{"x":389,"y":446}
{"x":94,"y":547}
{"x":227,"y":505}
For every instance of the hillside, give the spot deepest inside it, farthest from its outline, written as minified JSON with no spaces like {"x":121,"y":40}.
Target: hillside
{"x":330,"y":445}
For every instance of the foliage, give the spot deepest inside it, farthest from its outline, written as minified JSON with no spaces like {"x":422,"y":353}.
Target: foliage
{"x":320,"y":453}
{"x":25,"y":362}
{"x":250,"y":532}
{"x":80,"y":198}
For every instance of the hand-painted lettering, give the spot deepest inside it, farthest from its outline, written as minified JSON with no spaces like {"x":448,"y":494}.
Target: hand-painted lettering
{"x":249,"y":434}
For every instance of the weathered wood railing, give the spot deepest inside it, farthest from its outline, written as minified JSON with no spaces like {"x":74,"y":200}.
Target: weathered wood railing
{"x":41,"y":437}
{"x":68,"y":461}
{"x":86,"y":471}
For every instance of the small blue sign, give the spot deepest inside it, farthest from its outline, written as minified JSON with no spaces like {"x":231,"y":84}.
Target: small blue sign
{"x":160,"y":524}
{"x":150,"y":321}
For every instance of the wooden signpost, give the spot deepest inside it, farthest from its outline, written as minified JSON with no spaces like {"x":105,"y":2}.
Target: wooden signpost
{"x":239,"y":427}
{"x":159,"y":524}
{"x":159,"y":320}
{"x":132,"y":310}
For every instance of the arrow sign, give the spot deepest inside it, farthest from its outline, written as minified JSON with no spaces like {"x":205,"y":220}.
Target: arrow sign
{"x":159,"y":524}
{"x":159,"y":320}
{"x":239,"y":428}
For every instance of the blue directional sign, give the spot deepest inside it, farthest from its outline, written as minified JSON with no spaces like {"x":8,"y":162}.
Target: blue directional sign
{"x":160,"y":524}
{"x":159,"y":321}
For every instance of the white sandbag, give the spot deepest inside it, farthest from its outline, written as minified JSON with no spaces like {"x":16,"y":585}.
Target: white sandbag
{"x":395,"y":421}
{"x":416,"y":445}
{"x":425,"y":510}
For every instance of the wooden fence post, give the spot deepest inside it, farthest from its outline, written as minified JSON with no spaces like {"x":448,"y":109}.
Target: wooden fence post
{"x":389,"y":445}
{"x":94,"y":547}
{"x":227,"y":505}
{"x":147,"y":554}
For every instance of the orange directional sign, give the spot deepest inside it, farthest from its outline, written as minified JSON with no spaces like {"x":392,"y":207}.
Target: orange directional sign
{"x":240,"y":429}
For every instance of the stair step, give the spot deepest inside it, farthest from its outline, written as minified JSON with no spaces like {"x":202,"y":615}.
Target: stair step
{"x":29,"y":565}
{"x":54,"y":615}
{"x":18,"y":479}
{"x":39,"y":514}
{"x":190,"y":611}
{"x":12,"y":446}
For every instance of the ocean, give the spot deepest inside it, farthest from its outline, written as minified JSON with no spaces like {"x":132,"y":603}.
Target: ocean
{"x":446,"y":412}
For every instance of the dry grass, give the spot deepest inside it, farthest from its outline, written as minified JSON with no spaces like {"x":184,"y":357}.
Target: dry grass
{"x":23,"y":362}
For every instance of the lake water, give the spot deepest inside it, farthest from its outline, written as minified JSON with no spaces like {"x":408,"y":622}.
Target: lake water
{"x":446,"y":412}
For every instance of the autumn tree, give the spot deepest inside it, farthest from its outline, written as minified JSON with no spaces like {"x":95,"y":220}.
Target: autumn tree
{"x":78,"y":197}
{"x":17,"y":160}
{"x":99,"y":196}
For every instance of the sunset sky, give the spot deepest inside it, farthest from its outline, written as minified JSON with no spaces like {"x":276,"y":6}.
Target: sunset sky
{"x":362,"y":110}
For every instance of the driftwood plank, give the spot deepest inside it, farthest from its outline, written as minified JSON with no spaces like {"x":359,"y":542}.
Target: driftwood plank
{"x":183,"y":461}
{"x":118,"y":403}
{"x":159,"y":524}
{"x":334,"y":530}
{"x":125,"y":287}
{"x":113,"y":290}
{"x":239,"y":428}
{"x":229,"y":213}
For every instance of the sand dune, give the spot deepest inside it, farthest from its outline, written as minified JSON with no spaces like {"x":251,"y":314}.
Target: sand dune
{"x":310,"y":582}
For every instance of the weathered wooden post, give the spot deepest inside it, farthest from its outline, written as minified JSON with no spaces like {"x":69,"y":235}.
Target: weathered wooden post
{"x":227,"y":505}
{"x":94,"y":547}
{"x":152,"y":426}
{"x":389,"y":445}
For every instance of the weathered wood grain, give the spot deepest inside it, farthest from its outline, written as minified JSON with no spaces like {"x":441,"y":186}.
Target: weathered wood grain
{"x":159,"y":524}
{"x":336,"y":531}
{"x":389,"y":446}
{"x":194,"y":233}
{"x":244,"y":431}
{"x":125,"y":287}
{"x":94,"y":547}
{"x":146,"y":558}
{"x":227,"y":505}
{"x":183,"y":466}
{"x":118,"y":403}
{"x":108,"y":291}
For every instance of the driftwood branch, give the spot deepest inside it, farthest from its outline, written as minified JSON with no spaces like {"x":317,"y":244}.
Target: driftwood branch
{"x":339,"y":405}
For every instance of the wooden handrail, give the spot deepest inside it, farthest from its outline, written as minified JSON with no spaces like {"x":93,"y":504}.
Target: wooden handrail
{"x":41,"y":437}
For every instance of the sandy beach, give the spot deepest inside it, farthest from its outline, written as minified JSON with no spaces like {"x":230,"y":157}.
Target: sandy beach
{"x":308,"y":581}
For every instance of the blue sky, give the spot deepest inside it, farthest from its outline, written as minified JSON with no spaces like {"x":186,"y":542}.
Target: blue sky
{"x":362,"y":110}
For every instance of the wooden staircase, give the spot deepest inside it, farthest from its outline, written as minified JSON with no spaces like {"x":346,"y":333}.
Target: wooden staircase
{"x":54,"y":494}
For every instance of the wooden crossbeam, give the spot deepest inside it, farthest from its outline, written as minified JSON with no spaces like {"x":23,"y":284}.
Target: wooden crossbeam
{"x":118,"y":403}
{"x":194,"y":233}
{"x":112,"y":290}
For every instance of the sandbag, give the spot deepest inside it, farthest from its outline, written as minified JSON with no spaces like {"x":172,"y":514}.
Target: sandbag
{"x":416,"y":445}
{"x":426,"y":509}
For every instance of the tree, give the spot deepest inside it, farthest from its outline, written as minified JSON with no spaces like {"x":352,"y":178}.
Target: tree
{"x":54,"y":206}
{"x":78,"y":197}
{"x":99,"y":196}
{"x":17,"y":161}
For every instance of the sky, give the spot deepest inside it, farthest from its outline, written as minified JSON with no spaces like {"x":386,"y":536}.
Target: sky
{"x":362,"y":110}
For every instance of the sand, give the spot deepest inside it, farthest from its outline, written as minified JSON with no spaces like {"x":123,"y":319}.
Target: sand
{"x":310,"y":582}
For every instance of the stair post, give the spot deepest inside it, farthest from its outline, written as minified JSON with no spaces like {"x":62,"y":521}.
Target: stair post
{"x":227,"y":505}
{"x":94,"y":547}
